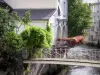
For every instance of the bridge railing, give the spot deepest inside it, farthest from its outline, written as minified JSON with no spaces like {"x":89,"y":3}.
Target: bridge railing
{"x":64,"y":53}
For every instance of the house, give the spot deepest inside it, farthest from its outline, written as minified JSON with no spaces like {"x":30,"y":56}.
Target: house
{"x":94,"y":31}
{"x":42,"y":12}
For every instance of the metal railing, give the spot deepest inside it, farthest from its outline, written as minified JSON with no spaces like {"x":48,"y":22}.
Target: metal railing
{"x":64,"y":53}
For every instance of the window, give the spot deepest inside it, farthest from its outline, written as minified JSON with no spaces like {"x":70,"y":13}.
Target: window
{"x":92,"y":29}
{"x":94,"y":22}
{"x":90,"y":38}
{"x":97,"y":18}
{"x":93,"y":8}
{"x":96,"y":34}
{"x":63,"y":23}
{"x":97,"y":8}
{"x":99,"y":23}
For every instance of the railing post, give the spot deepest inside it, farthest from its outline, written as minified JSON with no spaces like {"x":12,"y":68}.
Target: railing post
{"x":99,"y":55}
{"x":50,"y":52}
{"x":65,"y":55}
{"x":41,"y":54}
{"x":55,"y":53}
{"x":92,"y":56}
{"x":60,"y":54}
{"x":95,"y":55}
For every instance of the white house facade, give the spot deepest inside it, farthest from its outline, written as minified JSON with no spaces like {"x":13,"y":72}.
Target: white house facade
{"x":42,"y":11}
{"x":94,"y":31}
{"x":32,"y":4}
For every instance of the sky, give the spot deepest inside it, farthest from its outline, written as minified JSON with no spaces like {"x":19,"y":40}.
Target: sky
{"x":90,"y":1}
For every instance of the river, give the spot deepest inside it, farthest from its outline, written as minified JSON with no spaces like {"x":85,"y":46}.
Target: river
{"x":82,"y":70}
{"x":69,"y":70}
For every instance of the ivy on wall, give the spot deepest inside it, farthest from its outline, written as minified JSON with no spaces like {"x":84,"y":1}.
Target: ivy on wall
{"x":49,"y":33}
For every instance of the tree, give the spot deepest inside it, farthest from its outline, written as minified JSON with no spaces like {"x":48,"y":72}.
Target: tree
{"x":36,"y":39}
{"x":79,"y":17}
{"x":11,"y":43}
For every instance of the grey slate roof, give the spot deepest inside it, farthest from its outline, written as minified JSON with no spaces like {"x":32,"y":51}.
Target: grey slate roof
{"x":37,"y":14}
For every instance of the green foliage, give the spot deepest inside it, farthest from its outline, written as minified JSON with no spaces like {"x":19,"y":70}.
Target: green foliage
{"x":49,"y":34}
{"x":79,"y":17}
{"x":4,"y":20}
{"x":10,"y":43}
{"x":34,"y":37}
{"x":9,"y":40}
{"x":27,"y":71}
{"x":7,"y":21}
{"x":15,"y":17}
{"x":49,"y":38}
{"x":7,"y":26}
{"x":26,"y":18}
{"x":48,"y":28}
{"x":14,"y":41}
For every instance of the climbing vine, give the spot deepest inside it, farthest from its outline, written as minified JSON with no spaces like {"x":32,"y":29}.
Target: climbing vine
{"x":49,"y":33}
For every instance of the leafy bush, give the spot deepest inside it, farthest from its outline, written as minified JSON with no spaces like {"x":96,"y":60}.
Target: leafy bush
{"x":35,"y":37}
{"x":26,"y":18}
{"x":3,"y":21}
{"x":14,"y":41}
{"x":35,"y":40}
{"x":7,"y":21}
{"x":11,"y":44}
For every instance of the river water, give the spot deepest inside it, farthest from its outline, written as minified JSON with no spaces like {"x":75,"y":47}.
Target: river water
{"x":70,"y":70}
{"x":82,"y":70}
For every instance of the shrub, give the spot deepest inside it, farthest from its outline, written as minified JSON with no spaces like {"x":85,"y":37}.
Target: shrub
{"x":7,"y":21}
{"x":14,"y":41}
{"x":35,"y":40}
{"x":35,"y":37}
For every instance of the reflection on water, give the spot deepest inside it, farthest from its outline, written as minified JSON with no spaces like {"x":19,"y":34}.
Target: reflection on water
{"x":83,"y":52}
{"x":78,"y":70}
{"x":84,"y":71}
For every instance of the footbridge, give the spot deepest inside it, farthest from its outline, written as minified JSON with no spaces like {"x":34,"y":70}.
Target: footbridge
{"x":66,"y":56}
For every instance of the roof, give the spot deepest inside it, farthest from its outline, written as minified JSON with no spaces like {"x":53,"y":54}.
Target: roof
{"x":37,"y":14}
{"x":3,"y":4}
